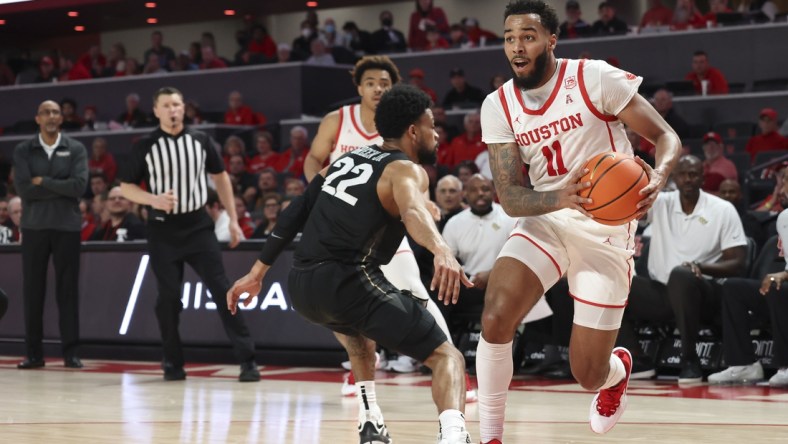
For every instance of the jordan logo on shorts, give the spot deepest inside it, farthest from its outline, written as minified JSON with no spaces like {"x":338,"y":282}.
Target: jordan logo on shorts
{"x":607,"y":241}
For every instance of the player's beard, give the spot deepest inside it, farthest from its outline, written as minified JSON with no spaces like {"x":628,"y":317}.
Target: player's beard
{"x":534,"y":79}
{"x":427,"y":156}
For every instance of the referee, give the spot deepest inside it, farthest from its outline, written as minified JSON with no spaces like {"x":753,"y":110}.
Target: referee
{"x":172,"y":162}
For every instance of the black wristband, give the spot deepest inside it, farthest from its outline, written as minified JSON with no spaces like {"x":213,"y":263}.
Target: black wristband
{"x":271,"y":249}
{"x":290,"y":222}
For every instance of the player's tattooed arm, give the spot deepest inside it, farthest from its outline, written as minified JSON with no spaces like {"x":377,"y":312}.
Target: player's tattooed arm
{"x":517,"y":200}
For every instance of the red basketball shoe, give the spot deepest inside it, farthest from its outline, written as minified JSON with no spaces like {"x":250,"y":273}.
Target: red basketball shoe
{"x":609,"y":404}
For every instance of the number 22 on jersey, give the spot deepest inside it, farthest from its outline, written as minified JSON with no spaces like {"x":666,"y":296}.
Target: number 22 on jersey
{"x":360,"y":174}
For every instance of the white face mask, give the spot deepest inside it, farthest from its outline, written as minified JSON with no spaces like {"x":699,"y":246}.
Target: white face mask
{"x":306,"y":32}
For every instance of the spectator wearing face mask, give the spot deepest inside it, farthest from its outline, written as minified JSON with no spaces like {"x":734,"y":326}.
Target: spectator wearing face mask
{"x":387,"y":38}
{"x":301,"y":45}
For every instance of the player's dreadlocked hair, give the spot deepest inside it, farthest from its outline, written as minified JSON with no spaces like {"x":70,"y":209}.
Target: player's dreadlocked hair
{"x":546,"y":13}
{"x":375,"y":62}
{"x":399,"y":108}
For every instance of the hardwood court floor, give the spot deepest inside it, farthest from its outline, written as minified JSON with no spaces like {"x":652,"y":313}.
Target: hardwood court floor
{"x":128,"y":402}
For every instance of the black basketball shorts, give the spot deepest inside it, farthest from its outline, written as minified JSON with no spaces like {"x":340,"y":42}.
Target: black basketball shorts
{"x":355,"y":300}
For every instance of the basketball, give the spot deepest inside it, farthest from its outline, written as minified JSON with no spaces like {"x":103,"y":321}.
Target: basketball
{"x":616,"y":180}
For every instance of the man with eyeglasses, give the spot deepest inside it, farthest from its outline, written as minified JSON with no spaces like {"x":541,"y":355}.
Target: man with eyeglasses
{"x":122,"y":225}
{"x":50,"y":174}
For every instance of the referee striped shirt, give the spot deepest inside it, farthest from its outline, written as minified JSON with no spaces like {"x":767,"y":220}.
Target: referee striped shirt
{"x":165,"y":162}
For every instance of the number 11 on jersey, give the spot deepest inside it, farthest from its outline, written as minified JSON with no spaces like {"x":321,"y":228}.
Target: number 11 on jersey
{"x":555,"y":163}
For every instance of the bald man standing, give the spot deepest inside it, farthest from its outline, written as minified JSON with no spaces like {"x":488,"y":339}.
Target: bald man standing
{"x":50,"y":174}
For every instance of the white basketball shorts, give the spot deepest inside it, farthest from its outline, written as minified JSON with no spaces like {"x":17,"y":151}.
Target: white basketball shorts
{"x":596,"y":259}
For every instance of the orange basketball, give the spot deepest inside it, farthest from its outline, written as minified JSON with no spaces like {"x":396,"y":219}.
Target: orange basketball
{"x":616,"y":180}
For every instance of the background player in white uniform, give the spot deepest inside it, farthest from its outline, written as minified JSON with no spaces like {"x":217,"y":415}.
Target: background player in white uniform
{"x":554,"y":115}
{"x":352,"y":127}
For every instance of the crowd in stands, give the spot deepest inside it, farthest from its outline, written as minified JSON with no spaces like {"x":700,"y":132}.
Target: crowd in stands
{"x":429,"y":28}
{"x":265,"y":178}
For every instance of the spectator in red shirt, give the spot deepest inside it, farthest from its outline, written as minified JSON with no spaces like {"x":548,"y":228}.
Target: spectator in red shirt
{"x":94,"y":61}
{"x":687,"y":15}
{"x":240,"y":114}
{"x":716,"y":167}
{"x":443,"y":143}
{"x":476,"y":33}
{"x":266,"y":157}
{"x":244,"y":218}
{"x":656,"y":15}
{"x":292,"y":159}
{"x":71,"y":71}
{"x":209,"y":58}
{"x":262,"y":43}
{"x":423,"y":17}
{"x":416,"y":76}
{"x":435,"y":40}
{"x":467,"y":145}
{"x":101,"y":161}
{"x":769,"y":139}
{"x":702,"y":71}
{"x":88,"y":219}
{"x":716,"y":7}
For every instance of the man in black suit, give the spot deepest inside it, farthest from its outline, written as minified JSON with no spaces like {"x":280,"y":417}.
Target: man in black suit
{"x":387,"y":39}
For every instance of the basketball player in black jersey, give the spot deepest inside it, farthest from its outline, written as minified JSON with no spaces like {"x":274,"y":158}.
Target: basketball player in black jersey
{"x":353,"y":216}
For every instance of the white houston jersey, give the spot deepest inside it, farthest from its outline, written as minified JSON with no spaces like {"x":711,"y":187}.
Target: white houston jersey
{"x":351,"y":134}
{"x":574,"y":119}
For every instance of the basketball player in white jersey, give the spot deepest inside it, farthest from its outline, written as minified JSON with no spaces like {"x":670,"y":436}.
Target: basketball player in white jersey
{"x":554,"y":115}
{"x":352,"y":127}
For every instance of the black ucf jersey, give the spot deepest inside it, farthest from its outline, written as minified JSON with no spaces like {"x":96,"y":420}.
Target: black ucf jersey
{"x":348,"y":223}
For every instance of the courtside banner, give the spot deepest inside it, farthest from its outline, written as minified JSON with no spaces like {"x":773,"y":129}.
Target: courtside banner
{"x":118,"y":297}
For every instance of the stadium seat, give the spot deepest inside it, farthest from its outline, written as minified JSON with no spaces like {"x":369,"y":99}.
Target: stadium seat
{"x":779,"y":84}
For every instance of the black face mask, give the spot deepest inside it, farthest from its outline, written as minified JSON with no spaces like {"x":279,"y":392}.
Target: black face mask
{"x":387,"y":21}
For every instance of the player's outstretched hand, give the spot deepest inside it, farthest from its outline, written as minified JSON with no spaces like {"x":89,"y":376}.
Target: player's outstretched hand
{"x":251,"y":284}
{"x":448,"y":277}
{"x":656,"y":181}
{"x":568,"y":197}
